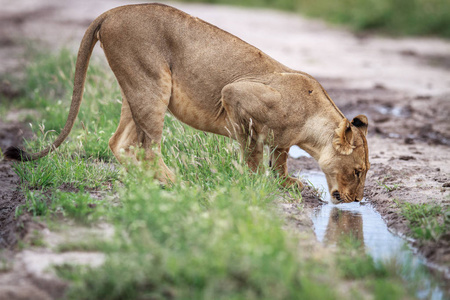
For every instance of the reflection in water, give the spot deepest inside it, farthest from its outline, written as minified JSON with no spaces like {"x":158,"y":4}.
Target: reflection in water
{"x":359,"y":219}
{"x":332,"y":222}
{"x":342,"y":224}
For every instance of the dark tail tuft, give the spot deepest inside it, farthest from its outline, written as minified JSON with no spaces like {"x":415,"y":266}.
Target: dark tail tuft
{"x":15,"y":153}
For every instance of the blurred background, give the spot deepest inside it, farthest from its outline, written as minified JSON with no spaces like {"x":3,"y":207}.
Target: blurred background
{"x":411,"y":17}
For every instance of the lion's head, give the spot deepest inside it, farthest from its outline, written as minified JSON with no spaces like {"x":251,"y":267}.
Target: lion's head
{"x":346,"y":162}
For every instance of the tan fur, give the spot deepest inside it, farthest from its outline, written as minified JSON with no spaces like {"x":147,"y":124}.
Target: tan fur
{"x":343,"y":140}
{"x":167,"y":61}
{"x":344,"y":224}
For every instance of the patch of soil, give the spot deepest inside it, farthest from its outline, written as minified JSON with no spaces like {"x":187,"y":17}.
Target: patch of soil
{"x":7,"y":91}
{"x":420,"y":180}
{"x":10,"y":197}
{"x":417,"y":118}
{"x":19,"y":284}
{"x":437,"y":60}
{"x":15,"y":282}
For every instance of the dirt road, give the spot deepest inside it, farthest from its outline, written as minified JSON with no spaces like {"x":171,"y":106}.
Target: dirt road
{"x":402,"y":85}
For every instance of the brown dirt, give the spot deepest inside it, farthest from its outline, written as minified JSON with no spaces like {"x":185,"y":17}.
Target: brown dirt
{"x":10,"y":197}
{"x":403,"y":85}
{"x":15,"y":283}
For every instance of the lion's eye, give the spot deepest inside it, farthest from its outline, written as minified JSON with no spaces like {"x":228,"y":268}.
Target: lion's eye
{"x":357,"y":173}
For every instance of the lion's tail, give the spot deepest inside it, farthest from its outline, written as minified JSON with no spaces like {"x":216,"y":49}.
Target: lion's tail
{"x":84,"y":54}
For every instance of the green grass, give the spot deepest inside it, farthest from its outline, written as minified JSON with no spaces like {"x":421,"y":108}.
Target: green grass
{"x":79,"y":206}
{"x":354,"y":264}
{"x":48,"y":87}
{"x":400,"y":17}
{"x":426,"y":221}
{"x":82,"y":163}
{"x":35,"y":204}
{"x":388,"y":188}
{"x":63,"y":168}
{"x":215,"y":234}
{"x":198,"y":243}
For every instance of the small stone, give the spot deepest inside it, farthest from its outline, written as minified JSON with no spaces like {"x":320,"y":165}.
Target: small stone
{"x":409,"y":141}
{"x":378,"y":130}
{"x":406,"y":157}
{"x":446,"y":185}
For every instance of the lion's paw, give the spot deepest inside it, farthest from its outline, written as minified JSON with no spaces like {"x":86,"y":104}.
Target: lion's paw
{"x":294,"y":183}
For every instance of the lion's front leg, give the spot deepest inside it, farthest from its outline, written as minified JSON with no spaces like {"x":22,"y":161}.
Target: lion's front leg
{"x":249,"y":107}
{"x":253,"y":154}
{"x":279,"y":164}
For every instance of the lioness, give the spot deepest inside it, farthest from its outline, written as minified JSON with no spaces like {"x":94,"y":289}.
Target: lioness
{"x":166,"y":60}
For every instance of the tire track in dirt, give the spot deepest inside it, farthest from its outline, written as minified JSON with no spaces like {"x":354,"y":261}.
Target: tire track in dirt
{"x":15,"y":282}
{"x":10,"y":196}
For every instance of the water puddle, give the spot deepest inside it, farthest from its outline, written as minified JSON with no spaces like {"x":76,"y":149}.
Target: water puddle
{"x":296,"y":152}
{"x":362,"y":221}
{"x":392,"y":110}
{"x":331,"y":222}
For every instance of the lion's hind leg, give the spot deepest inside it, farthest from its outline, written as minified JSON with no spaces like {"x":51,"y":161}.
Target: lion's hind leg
{"x":124,"y":140}
{"x":139,"y":142}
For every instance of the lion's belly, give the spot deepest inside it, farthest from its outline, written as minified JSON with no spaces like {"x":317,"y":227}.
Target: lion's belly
{"x":199,"y":115}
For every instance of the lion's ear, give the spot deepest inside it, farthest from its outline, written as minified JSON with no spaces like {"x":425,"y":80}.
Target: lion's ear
{"x":361,"y":122}
{"x":343,"y":138}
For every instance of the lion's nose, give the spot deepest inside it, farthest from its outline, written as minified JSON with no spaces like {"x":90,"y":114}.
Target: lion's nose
{"x":337,"y":196}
